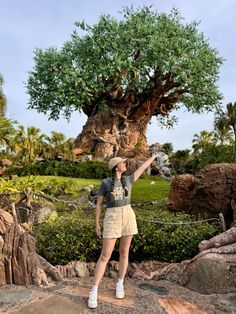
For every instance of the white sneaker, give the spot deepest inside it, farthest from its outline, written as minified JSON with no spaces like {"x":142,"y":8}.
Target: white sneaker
{"x":92,"y":301}
{"x":120,"y":293}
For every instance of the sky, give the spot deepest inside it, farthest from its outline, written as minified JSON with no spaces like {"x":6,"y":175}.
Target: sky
{"x":26,"y":25}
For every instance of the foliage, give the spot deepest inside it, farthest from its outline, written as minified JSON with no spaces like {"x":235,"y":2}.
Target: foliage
{"x":227,"y":120}
{"x":179,"y":160}
{"x":72,"y":237}
{"x":203,"y":140}
{"x":3,"y":100}
{"x":67,"y":238}
{"x":167,"y":148}
{"x":20,"y":185}
{"x":166,"y":242}
{"x":143,"y":190}
{"x":213,"y":154}
{"x":141,"y":52}
{"x":222,"y":129}
{"x":6,"y":132}
{"x":212,"y":147}
{"x":26,"y":145}
{"x":69,"y":187}
{"x":87,"y":169}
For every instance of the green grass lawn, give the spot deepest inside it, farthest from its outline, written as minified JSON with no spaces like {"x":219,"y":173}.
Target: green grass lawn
{"x":144,"y":190}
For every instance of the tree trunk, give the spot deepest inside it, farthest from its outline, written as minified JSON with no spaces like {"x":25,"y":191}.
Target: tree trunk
{"x":118,"y":131}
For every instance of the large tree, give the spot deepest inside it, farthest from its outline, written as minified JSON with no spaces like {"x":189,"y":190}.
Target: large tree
{"x":121,"y":73}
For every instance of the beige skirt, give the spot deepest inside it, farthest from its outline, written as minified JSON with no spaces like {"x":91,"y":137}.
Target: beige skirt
{"x":119,"y":222}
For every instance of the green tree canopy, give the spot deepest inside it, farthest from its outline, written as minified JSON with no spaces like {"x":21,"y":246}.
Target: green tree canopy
{"x":155,"y":55}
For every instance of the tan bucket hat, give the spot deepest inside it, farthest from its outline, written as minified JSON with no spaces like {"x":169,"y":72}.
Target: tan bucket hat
{"x":115,"y":161}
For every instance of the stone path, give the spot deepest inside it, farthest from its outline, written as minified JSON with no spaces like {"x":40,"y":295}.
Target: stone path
{"x":149,"y":297}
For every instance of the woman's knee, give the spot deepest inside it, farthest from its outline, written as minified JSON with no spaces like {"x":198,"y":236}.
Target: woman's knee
{"x":124,"y":252}
{"x":105,"y":256}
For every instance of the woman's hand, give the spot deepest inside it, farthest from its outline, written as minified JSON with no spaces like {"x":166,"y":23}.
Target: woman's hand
{"x":98,"y":230}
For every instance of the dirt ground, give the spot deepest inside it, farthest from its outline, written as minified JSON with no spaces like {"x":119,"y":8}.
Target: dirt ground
{"x":142,"y":296}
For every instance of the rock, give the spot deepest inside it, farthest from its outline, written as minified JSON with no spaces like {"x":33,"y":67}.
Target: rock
{"x":207,"y":194}
{"x":2,"y":170}
{"x":86,"y":188}
{"x":42,"y":213}
{"x":213,"y":270}
{"x":177,"y":306}
{"x":19,"y":262}
{"x":160,"y":165}
{"x":6,"y":162}
{"x":87,"y":157}
{"x":6,"y":217}
{"x":81,"y":269}
{"x":37,"y":214}
{"x":166,"y":171}
{"x":211,"y":273}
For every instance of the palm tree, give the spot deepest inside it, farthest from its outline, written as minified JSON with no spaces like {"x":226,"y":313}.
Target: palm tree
{"x":57,"y":142}
{"x":68,"y":146}
{"x":231,"y":116}
{"x":222,"y":128}
{"x":27,"y":143}
{"x":167,"y":148}
{"x":3,"y":100}
{"x":203,"y":140}
{"x":228,"y":119}
{"x":6,"y":131}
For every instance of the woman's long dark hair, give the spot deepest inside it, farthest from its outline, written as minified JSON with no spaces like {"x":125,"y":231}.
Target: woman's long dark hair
{"x":122,"y":179}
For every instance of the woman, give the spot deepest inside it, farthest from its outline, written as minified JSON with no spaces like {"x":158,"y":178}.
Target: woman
{"x":119,"y":222}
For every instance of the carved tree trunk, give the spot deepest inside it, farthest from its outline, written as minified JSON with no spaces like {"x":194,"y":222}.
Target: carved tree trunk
{"x":19,"y":262}
{"x":118,"y":131}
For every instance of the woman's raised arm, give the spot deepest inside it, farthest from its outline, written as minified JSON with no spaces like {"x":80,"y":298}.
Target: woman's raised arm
{"x":143,"y":167}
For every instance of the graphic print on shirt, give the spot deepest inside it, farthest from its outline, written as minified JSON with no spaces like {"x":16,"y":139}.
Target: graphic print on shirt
{"x":118,"y":193}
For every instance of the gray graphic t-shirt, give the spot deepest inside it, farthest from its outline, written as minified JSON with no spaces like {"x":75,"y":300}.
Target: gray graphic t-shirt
{"x":117,"y":198}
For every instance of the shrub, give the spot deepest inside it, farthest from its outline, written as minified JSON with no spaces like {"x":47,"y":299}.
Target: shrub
{"x":67,"y":238}
{"x":87,"y":169}
{"x":73,"y":237}
{"x":169,"y":242}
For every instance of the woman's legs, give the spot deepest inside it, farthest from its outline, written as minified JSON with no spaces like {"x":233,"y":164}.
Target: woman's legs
{"x":107,"y":248}
{"x":124,"y":255}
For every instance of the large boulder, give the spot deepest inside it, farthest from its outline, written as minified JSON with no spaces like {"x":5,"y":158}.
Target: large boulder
{"x":213,"y":270}
{"x":207,"y":194}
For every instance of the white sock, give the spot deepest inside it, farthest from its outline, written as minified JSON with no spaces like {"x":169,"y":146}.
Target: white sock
{"x":94,"y":289}
{"x":120,"y":281}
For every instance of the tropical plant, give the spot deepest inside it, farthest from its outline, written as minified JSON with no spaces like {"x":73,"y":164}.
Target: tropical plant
{"x":203,"y":140}
{"x":222,"y":128}
{"x":26,"y":144}
{"x":167,"y":148}
{"x":180,"y":159}
{"x":3,"y":100}
{"x":228,"y":119}
{"x":6,"y":132}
